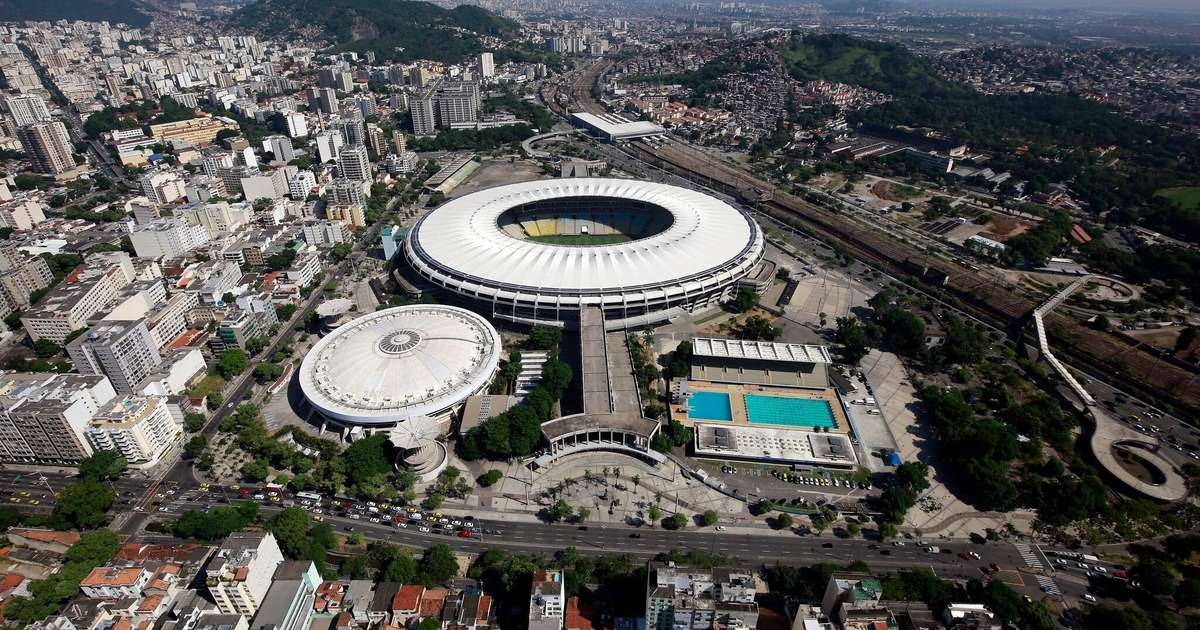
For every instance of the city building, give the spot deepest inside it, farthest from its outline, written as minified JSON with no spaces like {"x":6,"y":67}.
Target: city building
{"x":352,"y":214}
{"x":124,"y":351}
{"x":115,"y":582}
{"x":487,"y":65}
{"x":328,"y":145}
{"x":424,"y":113}
{"x":167,"y":238}
{"x":614,"y":127}
{"x":301,"y":185}
{"x":700,"y":599}
{"x":457,"y":102}
{"x":238,"y":328}
{"x":325,"y":233}
{"x":162,"y":187}
{"x":280,"y":147}
{"x":43,"y":416}
{"x":70,"y":305}
{"x":853,"y":598}
{"x":27,"y":109}
{"x":304,"y":270}
{"x":218,"y":218}
{"x":390,"y":239}
{"x":142,"y":428}
{"x":297,"y":127}
{"x":970,"y":617}
{"x":547,"y":600}
{"x":240,"y":573}
{"x":48,"y":147}
{"x":200,"y":131}
{"x":20,"y":276}
{"x":344,"y":191}
{"x":354,"y":163}
{"x":288,"y":604}
{"x":21,"y":214}
{"x":272,"y":185}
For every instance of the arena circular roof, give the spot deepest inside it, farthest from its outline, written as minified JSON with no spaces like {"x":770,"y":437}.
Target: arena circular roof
{"x":400,"y":363}
{"x":465,"y":237}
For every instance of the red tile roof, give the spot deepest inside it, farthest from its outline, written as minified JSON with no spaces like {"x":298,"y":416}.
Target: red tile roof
{"x":408,"y":597}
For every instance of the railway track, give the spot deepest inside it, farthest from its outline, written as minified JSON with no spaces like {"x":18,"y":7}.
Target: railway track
{"x":980,"y":294}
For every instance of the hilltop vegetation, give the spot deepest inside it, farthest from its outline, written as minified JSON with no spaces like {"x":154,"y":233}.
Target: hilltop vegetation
{"x":397,"y":30}
{"x":114,"y":11}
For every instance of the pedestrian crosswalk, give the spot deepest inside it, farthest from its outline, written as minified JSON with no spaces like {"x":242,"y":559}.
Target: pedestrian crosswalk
{"x":1029,"y":555}
{"x":1047,"y":585}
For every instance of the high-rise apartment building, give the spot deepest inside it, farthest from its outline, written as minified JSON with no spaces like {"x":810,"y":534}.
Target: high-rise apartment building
{"x":487,"y":65}
{"x":376,"y":141}
{"x":458,"y":102}
{"x":328,"y":145}
{"x":163,"y":187}
{"x":72,"y":303}
{"x":424,"y":113}
{"x":354,"y":163}
{"x":344,"y":191}
{"x":43,"y":417}
{"x":125,"y":352}
{"x":48,"y":147}
{"x":27,"y":109}
{"x":167,"y":238}
{"x":301,"y":184}
{"x":280,"y":147}
{"x":20,"y":276}
{"x":352,"y":130}
{"x":139,"y":427}
{"x":297,"y":127}
{"x":325,"y":233}
{"x":241,"y":571}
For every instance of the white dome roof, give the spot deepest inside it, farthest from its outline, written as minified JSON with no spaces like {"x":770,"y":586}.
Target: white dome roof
{"x":464,"y":236}
{"x":400,"y":363}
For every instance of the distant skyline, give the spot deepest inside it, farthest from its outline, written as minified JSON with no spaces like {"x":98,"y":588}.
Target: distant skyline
{"x":1125,"y":6}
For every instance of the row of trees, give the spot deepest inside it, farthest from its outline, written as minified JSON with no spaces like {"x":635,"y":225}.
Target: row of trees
{"x":517,"y":431}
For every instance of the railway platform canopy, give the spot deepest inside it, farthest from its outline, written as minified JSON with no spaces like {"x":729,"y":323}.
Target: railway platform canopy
{"x":613,"y":127}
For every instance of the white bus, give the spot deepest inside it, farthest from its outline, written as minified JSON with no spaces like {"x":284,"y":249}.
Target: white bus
{"x":309,"y":496}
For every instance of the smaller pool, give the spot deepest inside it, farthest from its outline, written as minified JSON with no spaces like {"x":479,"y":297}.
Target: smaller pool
{"x":709,"y":406}
{"x":787,"y":411}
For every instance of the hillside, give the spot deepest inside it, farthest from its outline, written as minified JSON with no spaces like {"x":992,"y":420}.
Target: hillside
{"x":126,"y":11}
{"x":398,"y":30}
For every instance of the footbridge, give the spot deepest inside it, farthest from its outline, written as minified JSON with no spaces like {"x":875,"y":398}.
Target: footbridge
{"x":1109,"y":433}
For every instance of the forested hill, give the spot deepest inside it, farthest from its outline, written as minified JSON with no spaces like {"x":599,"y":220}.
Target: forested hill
{"x":398,"y":30}
{"x":114,"y":11}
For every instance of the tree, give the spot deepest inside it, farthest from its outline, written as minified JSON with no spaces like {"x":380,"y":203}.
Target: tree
{"x":232,"y":362}
{"x":681,"y":359}
{"x":819,"y":523}
{"x":852,"y":340}
{"x":284,"y":312}
{"x":267,"y":372}
{"x":677,"y":521}
{"x":757,"y":328}
{"x":255,"y":471}
{"x":490,"y":478}
{"x":853,"y":528}
{"x":745,"y":299}
{"x":654,"y":513}
{"x":1155,"y":575}
{"x":560,"y":511}
{"x":290,"y":528}
{"x":195,"y":446}
{"x":44,"y":348}
{"x":194,"y":422}
{"x":103,"y":466}
{"x":708,"y":518}
{"x":543,"y":337}
{"x":83,"y":505}
{"x":1187,"y":593}
{"x":437,"y":565}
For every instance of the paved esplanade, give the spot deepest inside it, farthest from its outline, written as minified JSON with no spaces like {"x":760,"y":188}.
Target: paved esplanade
{"x":612,"y":411}
{"x":1109,"y":432}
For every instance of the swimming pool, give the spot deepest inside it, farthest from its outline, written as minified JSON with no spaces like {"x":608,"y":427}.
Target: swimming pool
{"x":709,"y":406}
{"x":786,"y":411}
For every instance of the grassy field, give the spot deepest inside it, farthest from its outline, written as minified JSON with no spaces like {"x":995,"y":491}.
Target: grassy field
{"x":208,"y":385}
{"x":1187,"y":197}
{"x":580,"y":240}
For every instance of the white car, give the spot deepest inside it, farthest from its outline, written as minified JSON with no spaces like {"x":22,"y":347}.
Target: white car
{"x":1089,"y":598}
{"x":1100,"y":569}
{"x":720,"y":528}
{"x":424,"y":530}
{"x":897,"y":543}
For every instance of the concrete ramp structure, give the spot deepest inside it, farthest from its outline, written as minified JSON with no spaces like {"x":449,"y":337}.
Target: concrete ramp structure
{"x":1109,"y":433}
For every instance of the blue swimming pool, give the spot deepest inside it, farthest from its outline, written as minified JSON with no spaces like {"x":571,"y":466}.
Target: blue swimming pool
{"x":791,"y":412}
{"x":709,"y":406}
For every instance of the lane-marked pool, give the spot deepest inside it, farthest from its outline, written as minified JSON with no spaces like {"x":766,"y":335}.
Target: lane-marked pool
{"x":788,"y":411}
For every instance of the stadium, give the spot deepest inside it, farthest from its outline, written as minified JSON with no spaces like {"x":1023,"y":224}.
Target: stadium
{"x":540,"y":251}
{"x":400,"y":364}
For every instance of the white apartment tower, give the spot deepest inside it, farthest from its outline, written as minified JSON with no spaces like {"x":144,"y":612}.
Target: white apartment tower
{"x":125,"y":352}
{"x":48,"y":147}
{"x":239,"y":575}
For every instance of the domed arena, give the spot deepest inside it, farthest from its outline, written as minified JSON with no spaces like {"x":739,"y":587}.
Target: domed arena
{"x":399,"y":364}
{"x":540,"y":251}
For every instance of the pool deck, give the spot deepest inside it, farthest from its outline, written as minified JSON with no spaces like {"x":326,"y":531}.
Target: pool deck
{"x":737,"y":404}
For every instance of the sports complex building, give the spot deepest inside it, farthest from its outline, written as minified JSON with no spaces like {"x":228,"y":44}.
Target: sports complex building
{"x":540,"y":251}
{"x":398,"y":364}
{"x":764,"y":401}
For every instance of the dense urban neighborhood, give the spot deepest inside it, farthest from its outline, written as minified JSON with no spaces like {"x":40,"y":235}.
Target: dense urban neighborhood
{"x":601,"y":315}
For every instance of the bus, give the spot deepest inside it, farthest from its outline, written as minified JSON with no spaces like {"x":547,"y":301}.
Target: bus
{"x":309,"y":496}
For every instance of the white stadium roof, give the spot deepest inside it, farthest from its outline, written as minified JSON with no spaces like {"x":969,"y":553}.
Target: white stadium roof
{"x":463,"y":237}
{"x":400,"y":363}
{"x":759,"y":350}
